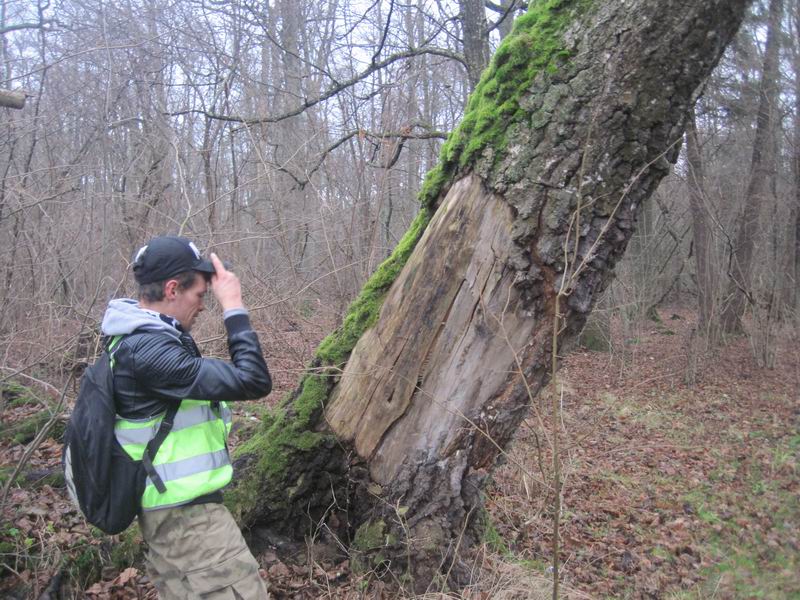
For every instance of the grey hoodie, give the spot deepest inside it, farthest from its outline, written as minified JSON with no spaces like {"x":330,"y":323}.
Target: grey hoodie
{"x":124,"y":316}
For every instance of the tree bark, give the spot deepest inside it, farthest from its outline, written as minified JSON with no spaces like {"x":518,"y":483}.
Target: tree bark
{"x":9,"y":99}
{"x":476,"y":41}
{"x":410,"y":403}
{"x":762,"y":176}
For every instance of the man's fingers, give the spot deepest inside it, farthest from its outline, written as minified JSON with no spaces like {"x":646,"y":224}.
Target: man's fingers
{"x":219,"y":268}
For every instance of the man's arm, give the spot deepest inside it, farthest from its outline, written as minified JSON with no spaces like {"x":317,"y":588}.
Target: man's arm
{"x":170,"y":370}
{"x":173,"y":371}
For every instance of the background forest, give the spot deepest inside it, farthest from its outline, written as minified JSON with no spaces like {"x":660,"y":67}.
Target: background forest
{"x":292,"y":138}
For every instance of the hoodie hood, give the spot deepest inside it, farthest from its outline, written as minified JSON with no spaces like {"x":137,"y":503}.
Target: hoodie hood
{"x":124,"y":316}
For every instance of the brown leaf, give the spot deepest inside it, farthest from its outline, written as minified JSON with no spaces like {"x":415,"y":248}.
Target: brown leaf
{"x":279,"y":570}
{"x":126,"y":576}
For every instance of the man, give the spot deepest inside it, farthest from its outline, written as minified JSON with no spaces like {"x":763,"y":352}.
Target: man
{"x":195,"y":548}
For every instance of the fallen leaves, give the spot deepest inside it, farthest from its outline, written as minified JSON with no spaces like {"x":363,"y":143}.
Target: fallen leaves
{"x":130,"y":584}
{"x":660,"y":470}
{"x":656,"y":475}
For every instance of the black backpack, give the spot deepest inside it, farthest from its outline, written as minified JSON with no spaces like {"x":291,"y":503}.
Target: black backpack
{"x":103,"y":481}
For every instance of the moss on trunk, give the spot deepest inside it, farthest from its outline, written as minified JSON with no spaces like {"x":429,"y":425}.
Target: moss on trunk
{"x":279,"y":463}
{"x":535,"y":45}
{"x":275,"y":457}
{"x":569,"y":130}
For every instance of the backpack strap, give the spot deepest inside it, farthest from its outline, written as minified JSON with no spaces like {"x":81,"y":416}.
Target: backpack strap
{"x":155,"y":443}
{"x":111,"y":348}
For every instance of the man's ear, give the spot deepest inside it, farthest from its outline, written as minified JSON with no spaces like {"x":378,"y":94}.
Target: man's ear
{"x":170,"y":289}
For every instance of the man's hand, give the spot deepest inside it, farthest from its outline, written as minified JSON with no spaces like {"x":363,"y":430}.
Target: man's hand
{"x":225,"y":285}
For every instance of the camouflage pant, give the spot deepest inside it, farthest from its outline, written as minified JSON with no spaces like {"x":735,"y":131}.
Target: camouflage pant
{"x":198,"y":552}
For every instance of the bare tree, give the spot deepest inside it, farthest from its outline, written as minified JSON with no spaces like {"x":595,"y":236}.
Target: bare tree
{"x":476,"y":38}
{"x":760,"y":188}
{"x":701,"y":234}
{"x":794,"y":253}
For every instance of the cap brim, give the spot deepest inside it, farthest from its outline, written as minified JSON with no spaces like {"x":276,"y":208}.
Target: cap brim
{"x":205,"y":266}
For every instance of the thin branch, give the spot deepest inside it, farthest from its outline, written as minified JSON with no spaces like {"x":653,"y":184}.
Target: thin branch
{"x":407,"y":133}
{"x":505,"y":12}
{"x":327,"y":94}
{"x":500,"y":9}
{"x":21,"y":26}
{"x":48,"y":386}
{"x":384,"y":34}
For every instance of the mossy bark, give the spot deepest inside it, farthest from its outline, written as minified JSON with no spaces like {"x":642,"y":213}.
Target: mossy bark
{"x":405,"y":410}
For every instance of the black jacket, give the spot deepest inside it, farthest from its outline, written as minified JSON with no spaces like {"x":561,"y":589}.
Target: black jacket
{"x":152,"y":368}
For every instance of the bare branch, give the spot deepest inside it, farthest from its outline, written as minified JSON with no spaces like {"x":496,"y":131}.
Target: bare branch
{"x":505,"y":12}
{"x":407,"y":133}
{"x":494,"y":7}
{"x":21,"y":26}
{"x":330,"y":92}
{"x":384,"y":34}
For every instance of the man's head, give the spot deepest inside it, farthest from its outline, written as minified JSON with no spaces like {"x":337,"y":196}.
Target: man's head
{"x":173,"y":278}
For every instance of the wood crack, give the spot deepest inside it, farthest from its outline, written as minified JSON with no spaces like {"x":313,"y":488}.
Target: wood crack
{"x":424,"y":363}
{"x":390,"y":370}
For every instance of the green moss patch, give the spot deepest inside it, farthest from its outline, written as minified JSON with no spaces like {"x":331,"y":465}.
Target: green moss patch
{"x":25,"y":429}
{"x":16,"y":395}
{"x":27,"y":414}
{"x":491,"y":536}
{"x":368,"y":546}
{"x":363,"y":312}
{"x":285,"y":433}
{"x":535,"y":46}
{"x":129,"y":550}
{"x":370,"y":536}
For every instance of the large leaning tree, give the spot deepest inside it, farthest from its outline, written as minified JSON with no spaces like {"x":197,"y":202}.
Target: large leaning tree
{"x":391,"y":434}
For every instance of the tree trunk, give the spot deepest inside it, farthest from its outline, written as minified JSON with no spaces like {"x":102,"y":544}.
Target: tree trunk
{"x":762,"y":175}
{"x":703,"y":254}
{"x":794,"y":261}
{"x":476,"y":41}
{"x":408,"y":405}
{"x":9,"y":99}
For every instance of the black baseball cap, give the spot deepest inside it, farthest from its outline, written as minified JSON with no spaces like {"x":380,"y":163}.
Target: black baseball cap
{"x":166,"y":256}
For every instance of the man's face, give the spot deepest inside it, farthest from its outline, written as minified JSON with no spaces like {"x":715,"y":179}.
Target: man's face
{"x":188,"y":303}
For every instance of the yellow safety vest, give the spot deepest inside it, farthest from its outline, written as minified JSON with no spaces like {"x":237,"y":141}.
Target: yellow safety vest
{"x":192,"y":461}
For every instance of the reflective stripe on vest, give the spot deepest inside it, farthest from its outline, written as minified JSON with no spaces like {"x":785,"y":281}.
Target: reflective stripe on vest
{"x":193,"y":459}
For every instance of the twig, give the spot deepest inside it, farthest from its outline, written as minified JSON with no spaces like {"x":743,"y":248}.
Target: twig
{"x":48,"y":386}
{"x":31,"y":448}
{"x":555,"y":408}
{"x":42,"y":434}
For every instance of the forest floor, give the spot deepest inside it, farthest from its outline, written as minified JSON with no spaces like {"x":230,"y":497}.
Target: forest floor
{"x":669,"y":491}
